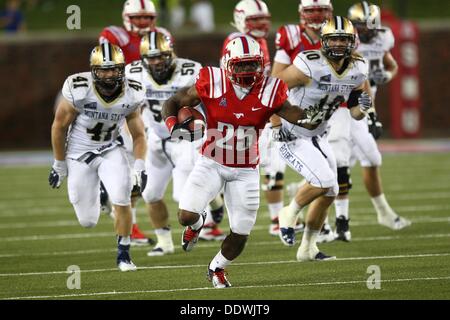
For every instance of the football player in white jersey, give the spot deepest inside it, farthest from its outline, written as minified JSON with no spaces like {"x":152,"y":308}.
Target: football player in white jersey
{"x":86,"y":147}
{"x":320,"y":79}
{"x":162,"y":74}
{"x":375,"y":44}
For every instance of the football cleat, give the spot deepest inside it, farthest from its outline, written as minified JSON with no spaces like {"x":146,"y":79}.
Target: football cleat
{"x":124,"y":262}
{"x":393,"y":221}
{"x":342,"y":231}
{"x":313,"y":255}
{"x":211,"y":231}
{"x":287,"y":236}
{"x":218,"y":278}
{"x":125,"y":266}
{"x":325,"y":234}
{"x":138,"y":238}
{"x":160,"y":250}
{"x":190,"y":237}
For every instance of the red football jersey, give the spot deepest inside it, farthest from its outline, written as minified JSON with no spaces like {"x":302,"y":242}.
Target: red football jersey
{"x":262,"y":43}
{"x":290,"y":40}
{"x":129,"y":42}
{"x":234,"y":125}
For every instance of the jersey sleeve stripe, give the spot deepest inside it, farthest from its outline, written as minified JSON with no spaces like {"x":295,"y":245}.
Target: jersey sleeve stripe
{"x":272,"y":95}
{"x":120,"y":35}
{"x":262,"y":88}
{"x":245,"y":45}
{"x":211,"y":82}
{"x":223,"y":81}
{"x":289,"y":36}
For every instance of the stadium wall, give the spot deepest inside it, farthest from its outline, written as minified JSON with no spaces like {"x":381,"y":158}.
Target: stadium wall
{"x":34,"y":69}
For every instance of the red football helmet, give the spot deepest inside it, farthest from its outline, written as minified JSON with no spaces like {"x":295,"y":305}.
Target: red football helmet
{"x":143,"y":11}
{"x":252,"y":17}
{"x":314,"y":13}
{"x":243,"y":62}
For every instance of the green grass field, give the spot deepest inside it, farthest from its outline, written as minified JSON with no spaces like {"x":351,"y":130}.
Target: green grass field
{"x":40,"y":238}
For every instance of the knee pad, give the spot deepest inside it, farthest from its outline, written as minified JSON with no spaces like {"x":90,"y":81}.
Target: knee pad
{"x":87,"y":223}
{"x":344,"y":181}
{"x":272,"y":180}
{"x":152,"y":194}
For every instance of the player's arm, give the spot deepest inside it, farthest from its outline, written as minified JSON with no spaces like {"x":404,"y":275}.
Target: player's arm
{"x":137,"y":131}
{"x":293,"y":77}
{"x":360,"y":101}
{"x":299,"y":116}
{"x":64,"y":116}
{"x":390,"y":65}
{"x":278,"y":67}
{"x":184,"y":97}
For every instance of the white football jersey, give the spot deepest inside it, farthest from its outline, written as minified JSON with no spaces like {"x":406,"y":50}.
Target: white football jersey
{"x":326,"y":87}
{"x":184,"y":76}
{"x":374,"y":51}
{"x":96,"y":127}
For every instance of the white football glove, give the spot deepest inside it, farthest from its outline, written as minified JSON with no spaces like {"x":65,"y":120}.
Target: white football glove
{"x":365,"y":102}
{"x":381,"y":76}
{"x":57,"y":174}
{"x":314,"y":116}
{"x":140,"y":176}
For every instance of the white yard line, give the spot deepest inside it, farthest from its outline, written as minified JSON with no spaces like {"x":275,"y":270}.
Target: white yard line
{"x":310,"y":284}
{"x":426,"y":255}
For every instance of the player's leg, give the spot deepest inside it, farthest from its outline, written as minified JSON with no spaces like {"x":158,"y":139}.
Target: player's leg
{"x":339,"y":139}
{"x":115,"y":173}
{"x":195,"y":197}
{"x":84,"y":194}
{"x":159,"y":169}
{"x":366,"y":151}
{"x":273,"y":167}
{"x":310,"y":162}
{"x":241,"y":196}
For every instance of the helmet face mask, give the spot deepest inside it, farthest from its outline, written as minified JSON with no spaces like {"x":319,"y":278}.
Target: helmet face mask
{"x":258,"y":26}
{"x":159,"y":66}
{"x":245,"y":72}
{"x":365,"y":34}
{"x":143,"y":23}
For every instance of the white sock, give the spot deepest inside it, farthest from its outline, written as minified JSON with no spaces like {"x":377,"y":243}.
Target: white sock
{"x":133,"y":215}
{"x":381,"y":206}
{"x":341,"y":207}
{"x":164,"y":236}
{"x":309,"y":239}
{"x":125,"y":241}
{"x":219,"y":262}
{"x":197,"y":225}
{"x":288,"y":217}
{"x":209,"y":219}
{"x":274,"y":209}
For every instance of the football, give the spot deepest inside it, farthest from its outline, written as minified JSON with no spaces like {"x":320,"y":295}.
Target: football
{"x":197,"y":121}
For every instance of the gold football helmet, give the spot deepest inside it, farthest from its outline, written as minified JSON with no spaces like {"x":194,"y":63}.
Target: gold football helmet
{"x":107,"y":67}
{"x":157,"y":55}
{"x":366,"y":18}
{"x":338,"y":38}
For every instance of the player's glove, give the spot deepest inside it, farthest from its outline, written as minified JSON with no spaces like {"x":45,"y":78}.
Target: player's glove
{"x":139,"y":177}
{"x":57,"y":174}
{"x":278,"y":134}
{"x":375,"y":126}
{"x":381,"y":76}
{"x":365,"y":102}
{"x":314,"y":116}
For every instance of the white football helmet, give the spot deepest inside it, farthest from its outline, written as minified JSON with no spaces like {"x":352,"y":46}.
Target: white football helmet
{"x":244,"y":13}
{"x":313,"y":13}
{"x":139,"y":8}
{"x":243,"y":61}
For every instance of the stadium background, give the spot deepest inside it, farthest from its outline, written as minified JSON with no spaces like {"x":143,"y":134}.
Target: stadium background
{"x":35,"y":63}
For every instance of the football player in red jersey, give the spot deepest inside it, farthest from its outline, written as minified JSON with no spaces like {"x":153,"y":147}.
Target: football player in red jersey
{"x":139,"y":17}
{"x":291,"y":39}
{"x":252,"y":18}
{"x":238,"y":100}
